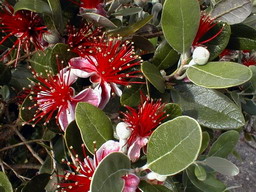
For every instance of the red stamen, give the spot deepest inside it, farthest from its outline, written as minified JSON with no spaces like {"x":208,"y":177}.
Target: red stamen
{"x":206,"y":24}
{"x":145,"y":119}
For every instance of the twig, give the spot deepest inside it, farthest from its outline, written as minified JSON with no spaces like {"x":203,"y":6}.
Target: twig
{"x":26,"y":166}
{"x":2,"y":166}
{"x":250,"y":145}
{"x":19,"y":144}
{"x":27,"y":145}
{"x":21,"y":58}
{"x":19,"y":176}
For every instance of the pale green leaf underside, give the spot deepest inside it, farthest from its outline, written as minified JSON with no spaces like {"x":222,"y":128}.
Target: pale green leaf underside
{"x":218,"y":75}
{"x":174,"y":145}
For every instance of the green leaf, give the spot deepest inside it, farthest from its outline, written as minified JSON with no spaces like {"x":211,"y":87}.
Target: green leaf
{"x":219,"y":43}
{"x":5,"y":74}
{"x":242,"y":37}
{"x":249,"y":107}
{"x":108,"y":175}
{"x":56,"y":14}
{"x":173,"y":110}
{"x":27,"y":112}
{"x":210,"y":184}
{"x":200,"y":173}
{"x":5,"y":93}
{"x":49,"y":59}
{"x":129,"y":30}
{"x":225,"y":144}
{"x":209,"y":107}
{"x":219,"y":75}
{"x":131,"y":95}
{"x":222,"y":166}
{"x":73,"y":138}
{"x":94,"y":125}
{"x":38,"y":6}
{"x":165,"y":56}
{"x":20,"y":77}
{"x":99,"y":19}
{"x":143,"y":43}
{"x":146,"y":187}
{"x":174,"y":146}
{"x":128,"y":11}
{"x":153,"y":75}
{"x":232,"y":12}
{"x":180,"y":21}
{"x":205,"y":142}
{"x":5,"y":183}
{"x":37,"y":183}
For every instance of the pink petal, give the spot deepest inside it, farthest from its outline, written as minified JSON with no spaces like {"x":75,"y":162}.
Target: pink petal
{"x":107,"y":148}
{"x":131,"y":182}
{"x":82,"y":67}
{"x":105,"y":94}
{"x":66,"y":115}
{"x":134,"y":149}
{"x":116,"y":89}
{"x":68,"y":76}
{"x":89,"y":95}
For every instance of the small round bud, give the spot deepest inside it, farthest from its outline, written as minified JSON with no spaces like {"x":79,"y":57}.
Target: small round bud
{"x":201,"y":55}
{"x":155,"y":176}
{"x":122,"y":130}
{"x":51,"y":37}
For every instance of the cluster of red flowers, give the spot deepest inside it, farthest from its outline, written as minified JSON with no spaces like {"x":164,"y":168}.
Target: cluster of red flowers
{"x":26,"y":26}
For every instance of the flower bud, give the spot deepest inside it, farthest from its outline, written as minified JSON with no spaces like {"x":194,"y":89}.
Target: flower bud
{"x":155,"y":176}
{"x":122,"y":130}
{"x":201,"y":55}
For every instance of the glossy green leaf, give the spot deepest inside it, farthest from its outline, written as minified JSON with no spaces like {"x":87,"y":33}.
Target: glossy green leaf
{"x":174,"y":145}
{"x":219,"y":75}
{"x":37,"y":183}
{"x":205,"y":141}
{"x":5,"y":93}
{"x":73,"y":139}
{"x":5,"y":184}
{"x":143,"y":43}
{"x":26,"y":112}
{"x":165,"y":56}
{"x":99,"y":19}
{"x":50,"y":163}
{"x":180,"y":21}
{"x":154,"y":76}
{"x":5,"y":74}
{"x":173,"y":110}
{"x":146,"y":187}
{"x":38,"y":6}
{"x":131,"y":95}
{"x":209,"y":107}
{"x":200,"y":173}
{"x":210,"y":184}
{"x":20,"y":76}
{"x":225,"y":144}
{"x":242,"y":37}
{"x":56,"y":14}
{"x":94,"y":125}
{"x":128,"y":11}
{"x":108,"y":175}
{"x":49,"y":59}
{"x":222,"y":166}
{"x":249,"y":107}
{"x":219,"y":43}
{"x":129,"y":30}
